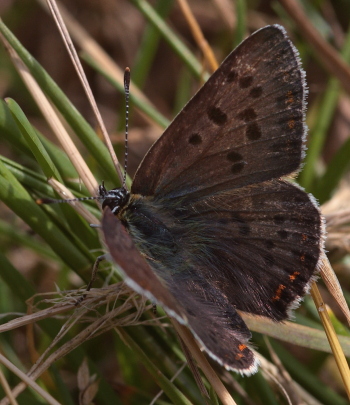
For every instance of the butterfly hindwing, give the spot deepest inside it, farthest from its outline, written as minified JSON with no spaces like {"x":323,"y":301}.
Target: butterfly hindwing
{"x":244,"y":126}
{"x":258,"y":245}
{"x":211,"y":318}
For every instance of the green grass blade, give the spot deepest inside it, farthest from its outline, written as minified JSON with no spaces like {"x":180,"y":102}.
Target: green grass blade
{"x":169,"y":35}
{"x":9,"y":233}
{"x":15,"y":280}
{"x":241,"y":25}
{"x":33,"y":142}
{"x":86,"y":134}
{"x":337,"y":167}
{"x":307,"y":379}
{"x":22,"y":204}
{"x":10,"y":131}
{"x":149,"y":45}
{"x":167,"y":386}
{"x":145,"y":107}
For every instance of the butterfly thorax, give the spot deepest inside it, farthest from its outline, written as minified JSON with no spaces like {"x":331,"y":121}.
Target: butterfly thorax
{"x":142,"y":220}
{"x":149,"y":228}
{"x":115,"y":199}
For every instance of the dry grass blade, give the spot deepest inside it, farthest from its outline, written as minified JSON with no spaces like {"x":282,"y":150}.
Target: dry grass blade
{"x":198,"y":35}
{"x":55,"y":123}
{"x":287,"y":387}
{"x":329,"y":56}
{"x":118,"y":316}
{"x":273,"y":373}
{"x":293,"y":333}
{"x":38,"y":316}
{"x":334,"y":287}
{"x":94,"y":50}
{"x":337,"y":215}
{"x":194,"y":369}
{"x":332,"y":338}
{"x":230,"y":381}
{"x":337,"y":218}
{"x":173,"y":378}
{"x":7,"y":389}
{"x":78,"y":206}
{"x":27,"y":381}
{"x":81,"y":74}
{"x":203,"y":363}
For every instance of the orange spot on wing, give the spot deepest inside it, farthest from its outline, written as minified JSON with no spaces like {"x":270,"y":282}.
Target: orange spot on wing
{"x":290,"y":97}
{"x":293,"y":276}
{"x":279,"y":291}
{"x":241,"y":347}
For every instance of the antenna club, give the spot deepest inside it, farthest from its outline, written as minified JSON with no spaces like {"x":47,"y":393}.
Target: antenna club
{"x":126,"y":78}
{"x":126,"y":89}
{"x":41,"y":201}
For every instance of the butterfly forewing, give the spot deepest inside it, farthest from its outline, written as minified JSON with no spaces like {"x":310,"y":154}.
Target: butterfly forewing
{"x":244,"y":126}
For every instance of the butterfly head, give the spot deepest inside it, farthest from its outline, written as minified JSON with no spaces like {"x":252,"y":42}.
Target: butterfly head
{"x":115,"y":199}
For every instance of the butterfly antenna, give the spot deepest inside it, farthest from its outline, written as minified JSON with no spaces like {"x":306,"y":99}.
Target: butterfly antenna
{"x":41,"y":201}
{"x":127,"y":94}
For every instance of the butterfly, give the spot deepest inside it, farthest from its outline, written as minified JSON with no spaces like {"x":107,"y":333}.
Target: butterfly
{"x":210,"y":227}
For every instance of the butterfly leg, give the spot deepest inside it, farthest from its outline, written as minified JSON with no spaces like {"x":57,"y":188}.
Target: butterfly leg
{"x":98,"y":260}
{"x":154,"y":308}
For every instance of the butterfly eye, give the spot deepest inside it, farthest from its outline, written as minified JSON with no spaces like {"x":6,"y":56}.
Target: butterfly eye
{"x":115,"y":199}
{"x":102,"y":190}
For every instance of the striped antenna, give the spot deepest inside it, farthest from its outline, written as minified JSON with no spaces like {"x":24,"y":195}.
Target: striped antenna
{"x":103,"y":193}
{"x":127,"y":94}
{"x":41,"y":201}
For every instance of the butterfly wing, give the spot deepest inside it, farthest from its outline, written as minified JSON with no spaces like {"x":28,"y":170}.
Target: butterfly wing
{"x":258,"y":246}
{"x":210,"y":317}
{"x":244,"y":126}
{"x":138,"y":275}
{"x":213,"y":320}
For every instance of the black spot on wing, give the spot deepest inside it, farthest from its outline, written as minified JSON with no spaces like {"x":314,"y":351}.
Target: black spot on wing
{"x":245,"y":81}
{"x":195,"y":139}
{"x":234,"y":156}
{"x":247,"y":115}
{"x":217,"y":116}
{"x":232,"y":76}
{"x":253,"y":131}
{"x":256,"y":92}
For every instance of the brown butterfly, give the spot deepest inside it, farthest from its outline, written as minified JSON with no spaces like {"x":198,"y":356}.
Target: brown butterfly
{"x":209,"y":226}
